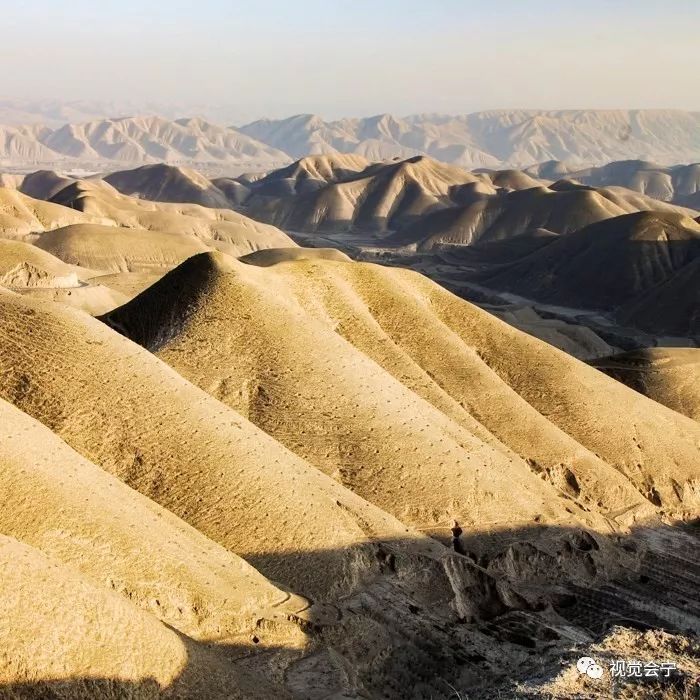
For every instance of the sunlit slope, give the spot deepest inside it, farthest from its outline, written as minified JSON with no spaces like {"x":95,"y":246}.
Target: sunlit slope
{"x":94,"y":299}
{"x":137,"y":646}
{"x":426,"y":203}
{"x":418,"y":401}
{"x":89,"y":223}
{"x":272,"y":256}
{"x":132,"y":415}
{"x":380,"y":197}
{"x":21,"y":215}
{"x":78,"y":514}
{"x":251,"y":343}
{"x":64,"y":635}
{"x":311,"y":173}
{"x":118,"y":249}
{"x":29,"y":270}
{"x":237,"y":232}
{"x":23,"y":265}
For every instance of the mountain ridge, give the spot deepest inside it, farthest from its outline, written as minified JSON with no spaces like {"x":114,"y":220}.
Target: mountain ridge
{"x":495,"y":138}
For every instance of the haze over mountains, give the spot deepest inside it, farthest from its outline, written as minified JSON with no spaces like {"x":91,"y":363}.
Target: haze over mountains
{"x":134,"y":140}
{"x":493,"y":139}
{"x":675,"y":183}
{"x":58,"y":112}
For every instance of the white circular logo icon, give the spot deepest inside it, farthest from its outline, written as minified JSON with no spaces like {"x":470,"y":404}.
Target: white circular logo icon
{"x":588,"y":666}
{"x":595,"y":671}
{"x":583,"y":663}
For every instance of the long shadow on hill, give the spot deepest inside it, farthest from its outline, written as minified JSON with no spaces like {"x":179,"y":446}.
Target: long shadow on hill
{"x":647,"y":291}
{"x":365,"y":225}
{"x":538,"y":596}
{"x":599,"y":272}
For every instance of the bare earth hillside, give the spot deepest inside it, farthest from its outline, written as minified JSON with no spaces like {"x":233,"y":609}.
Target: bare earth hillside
{"x":325,"y":299}
{"x":64,"y":249}
{"x":233,"y":466}
{"x":675,"y":183}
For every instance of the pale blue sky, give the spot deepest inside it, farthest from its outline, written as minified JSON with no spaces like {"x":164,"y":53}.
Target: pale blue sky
{"x":338,"y":57}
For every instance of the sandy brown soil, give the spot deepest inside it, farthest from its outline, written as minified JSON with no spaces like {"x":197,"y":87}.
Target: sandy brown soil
{"x":241,"y":481}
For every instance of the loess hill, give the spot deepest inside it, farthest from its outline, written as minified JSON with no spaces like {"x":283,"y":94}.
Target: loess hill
{"x":337,"y":361}
{"x":239,"y":480}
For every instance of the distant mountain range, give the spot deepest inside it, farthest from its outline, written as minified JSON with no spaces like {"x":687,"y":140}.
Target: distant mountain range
{"x":494,"y":139}
{"x":134,"y":140}
{"x":679,"y":184}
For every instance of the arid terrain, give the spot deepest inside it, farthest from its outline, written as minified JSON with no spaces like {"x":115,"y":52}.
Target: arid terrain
{"x":368,"y":424}
{"x":560,"y":141}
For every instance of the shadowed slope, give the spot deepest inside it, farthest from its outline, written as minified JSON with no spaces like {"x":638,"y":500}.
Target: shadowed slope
{"x":430,"y":204}
{"x":380,"y":197}
{"x":166,"y":183}
{"x":678,"y":183}
{"x":670,"y":376}
{"x":65,"y":636}
{"x":44,"y":184}
{"x":606,"y":264}
{"x":554,"y":595}
{"x":561,"y":209}
{"x":671,"y":307}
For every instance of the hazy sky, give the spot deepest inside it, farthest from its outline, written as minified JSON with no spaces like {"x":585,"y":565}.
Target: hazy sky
{"x":354,"y":57}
